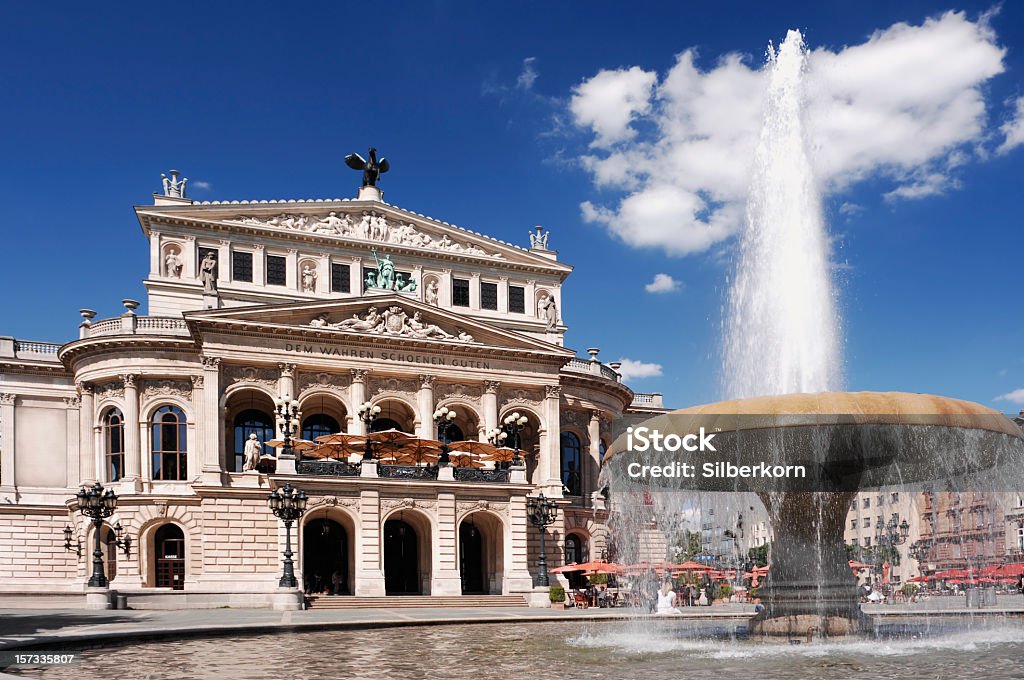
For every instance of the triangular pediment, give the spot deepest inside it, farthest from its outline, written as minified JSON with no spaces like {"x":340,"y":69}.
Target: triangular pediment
{"x":375,"y":318}
{"x":354,"y":223}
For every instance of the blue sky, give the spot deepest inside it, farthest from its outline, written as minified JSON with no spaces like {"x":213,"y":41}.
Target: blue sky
{"x":498,"y":118}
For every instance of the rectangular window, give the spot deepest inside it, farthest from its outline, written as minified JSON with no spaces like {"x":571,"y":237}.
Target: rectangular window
{"x":881,"y":500}
{"x":867,"y":502}
{"x":867,"y":522}
{"x":895,"y":497}
{"x":277,"y":268}
{"x":241,"y":266}
{"x":1020,"y":538}
{"x":489,"y":296}
{"x":340,"y":278}
{"x":460,"y":292}
{"x":867,"y":541}
{"x":879,"y":521}
{"x":517,"y":299}
{"x":853,"y":524}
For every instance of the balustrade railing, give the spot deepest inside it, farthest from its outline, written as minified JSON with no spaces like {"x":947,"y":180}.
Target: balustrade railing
{"x":30,"y":347}
{"x":145,"y":325}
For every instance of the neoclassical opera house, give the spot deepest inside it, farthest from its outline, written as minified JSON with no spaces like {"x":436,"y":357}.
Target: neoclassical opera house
{"x":337,"y":303}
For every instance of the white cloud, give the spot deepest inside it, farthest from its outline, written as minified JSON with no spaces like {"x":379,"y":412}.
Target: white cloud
{"x":200,"y":184}
{"x":1013,"y":129}
{"x":907,"y":104}
{"x":662,"y":283}
{"x":634,"y":370}
{"x":1014,"y":397}
{"x":609,"y":101}
{"x":850,"y":210}
{"x":528,"y":75}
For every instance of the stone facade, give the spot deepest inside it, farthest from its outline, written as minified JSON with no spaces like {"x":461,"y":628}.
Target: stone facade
{"x":156,"y":406}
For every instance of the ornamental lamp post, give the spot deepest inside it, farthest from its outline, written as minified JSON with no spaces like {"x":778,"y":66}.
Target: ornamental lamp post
{"x":368,"y":413}
{"x":513,"y":425}
{"x":443,"y":418}
{"x":287,"y":411}
{"x":892,"y":534}
{"x":541,"y":512}
{"x":496,"y":436}
{"x":288,"y":505}
{"x":97,"y":504}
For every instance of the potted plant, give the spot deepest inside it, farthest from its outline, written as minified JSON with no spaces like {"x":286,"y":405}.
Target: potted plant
{"x":557,"y":595}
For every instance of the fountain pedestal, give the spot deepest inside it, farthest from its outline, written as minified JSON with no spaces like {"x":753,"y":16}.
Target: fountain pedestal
{"x":810,"y":589}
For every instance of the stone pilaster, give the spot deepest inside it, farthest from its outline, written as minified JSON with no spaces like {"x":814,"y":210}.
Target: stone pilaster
{"x":550,"y":468}
{"x":206,"y":397}
{"x":87,"y":452}
{"x":74,"y":440}
{"x":445,"y":578}
{"x":259,"y":265}
{"x":291,"y":276}
{"x":7,"y":442}
{"x":357,"y":395}
{"x":425,"y":407}
{"x":594,"y":466}
{"x":155,"y":264}
{"x":133,"y":426}
{"x":323,"y":274}
{"x":518,"y":580}
{"x":369,"y":557}
{"x":223,"y":262}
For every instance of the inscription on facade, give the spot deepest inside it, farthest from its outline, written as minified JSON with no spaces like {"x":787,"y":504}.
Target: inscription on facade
{"x":384,"y":355}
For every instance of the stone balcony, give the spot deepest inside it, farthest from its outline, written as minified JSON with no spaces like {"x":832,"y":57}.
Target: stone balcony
{"x":131,"y":324}
{"x":592,"y":367}
{"x":650,"y":400}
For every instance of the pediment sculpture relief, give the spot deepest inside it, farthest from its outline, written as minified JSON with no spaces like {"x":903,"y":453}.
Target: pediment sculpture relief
{"x":392,"y":321}
{"x":369,"y":226}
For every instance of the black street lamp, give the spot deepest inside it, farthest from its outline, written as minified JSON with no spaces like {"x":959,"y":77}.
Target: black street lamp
{"x":77,"y":547}
{"x":443,"y":418}
{"x":890,"y":535}
{"x":513,"y":425}
{"x":368,"y":414}
{"x":288,"y":505}
{"x":541,"y":512}
{"x":287,"y":411}
{"x":97,"y":505}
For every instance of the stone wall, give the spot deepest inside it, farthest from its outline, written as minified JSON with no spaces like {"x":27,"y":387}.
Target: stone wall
{"x":32,"y":555}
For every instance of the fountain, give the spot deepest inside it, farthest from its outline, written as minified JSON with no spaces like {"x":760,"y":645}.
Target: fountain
{"x":781,"y":337}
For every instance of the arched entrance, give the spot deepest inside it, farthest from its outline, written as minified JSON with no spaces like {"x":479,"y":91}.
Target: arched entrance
{"x":170,"y":557}
{"x":325,"y":560}
{"x":471,"y":559}
{"x":401,"y":558}
{"x":481,"y":554}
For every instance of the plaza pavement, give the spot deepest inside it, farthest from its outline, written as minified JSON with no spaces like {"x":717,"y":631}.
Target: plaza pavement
{"x":71,"y":628}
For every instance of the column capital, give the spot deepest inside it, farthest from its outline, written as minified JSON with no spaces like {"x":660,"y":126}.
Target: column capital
{"x":7,"y":399}
{"x":197,"y":381}
{"x":359,"y":375}
{"x":211,"y":363}
{"x":258,"y":247}
{"x":287,"y":370}
{"x":552,"y":391}
{"x":492,"y":386}
{"x":427,"y":381}
{"x":128,"y":379}
{"x":596,"y":415}
{"x":73,"y":402}
{"x":84,"y":388}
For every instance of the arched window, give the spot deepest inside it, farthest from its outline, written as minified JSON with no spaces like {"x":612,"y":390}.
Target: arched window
{"x":452,"y":434}
{"x":318,"y":425}
{"x":170,"y":444}
{"x":381,"y":424}
{"x":251,"y":421}
{"x":574,"y":549}
{"x":113,"y":444}
{"x":572,"y":472}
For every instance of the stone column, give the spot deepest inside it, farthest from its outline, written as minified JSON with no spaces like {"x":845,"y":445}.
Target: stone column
{"x":369,"y":554}
{"x":189,"y":254}
{"x":286,"y":383}
{"x":291,"y":274}
{"x":425,"y":407}
{"x":132,"y":441}
{"x":445,"y":578}
{"x":206,"y":397}
{"x":530,"y":295}
{"x":503,"y":295}
{"x":444,"y":286}
{"x":7,"y":442}
{"x":86,"y":440}
{"x":593,"y":468}
{"x":357,"y":395}
{"x":550,"y":467}
{"x":474,"y":291}
{"x":489,"y":403}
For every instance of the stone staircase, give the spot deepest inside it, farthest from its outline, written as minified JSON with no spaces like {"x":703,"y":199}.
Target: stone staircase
{"x":414,"y":601}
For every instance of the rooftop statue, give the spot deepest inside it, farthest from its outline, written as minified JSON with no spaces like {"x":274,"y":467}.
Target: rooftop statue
{"x":173,"y":186}
{"x":372,"y":169}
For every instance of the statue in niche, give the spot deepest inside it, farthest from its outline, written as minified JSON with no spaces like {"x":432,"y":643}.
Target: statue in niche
{"x":372,"y":169}
{"x":309,"y":276}
{"x":173,"y":264}
{"x":431,"y":293}
{"x":547,"y":310}
{"x":538,"y":240}
{"x":173,"y":186}
{"x":252,"y":453}
{"x":385,"y":271}
{"x":367,"y":323}
{"x":208,"y":273}
{"x":418,"y":329}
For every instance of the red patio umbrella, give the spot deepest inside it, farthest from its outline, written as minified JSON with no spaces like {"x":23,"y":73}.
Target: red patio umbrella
{"x":565,"y":569}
